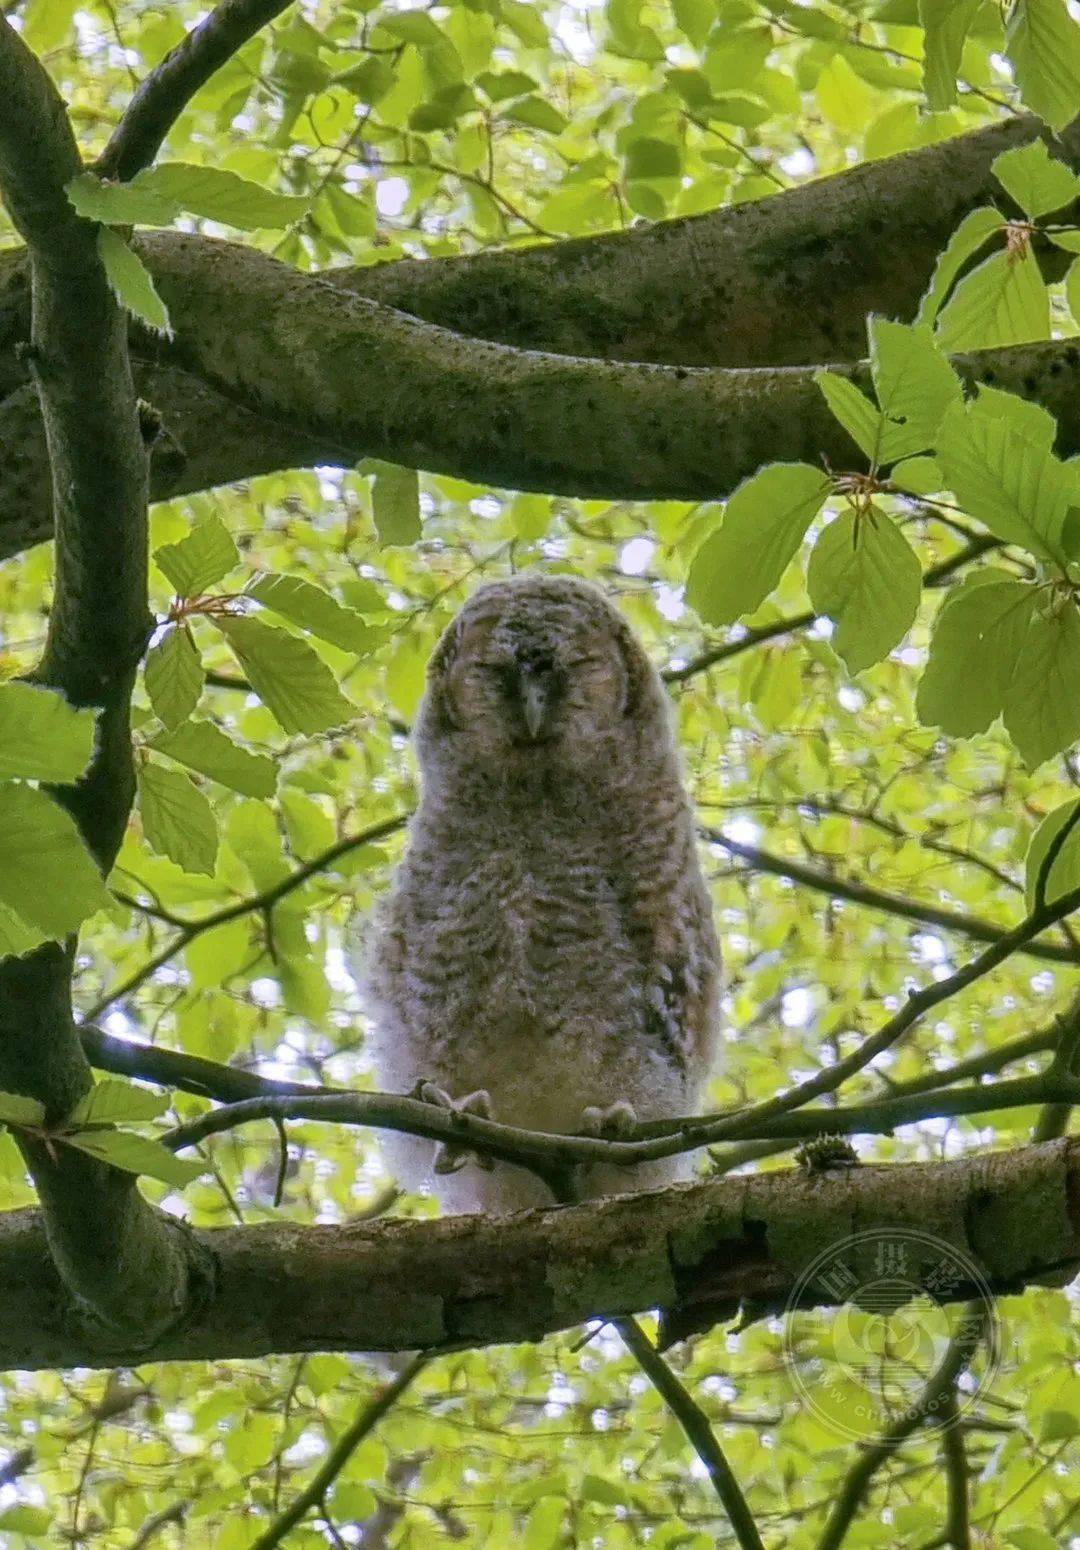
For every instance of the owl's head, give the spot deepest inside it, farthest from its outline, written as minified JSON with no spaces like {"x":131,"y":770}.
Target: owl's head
{"x":537,"y":671}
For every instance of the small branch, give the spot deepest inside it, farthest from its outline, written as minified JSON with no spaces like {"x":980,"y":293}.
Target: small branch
{"x":254,"y":904}
{"x":866,"y":894}
{"x":954,"y":1458}
{"x":928,"y":1406}
{"x":756,"y":635}
{"x":699,"y":1433}
{"x":1053,"y":851}
{"x":153,"y":1525}
{"x":168,"y":89}
{"x":350,"y":1439}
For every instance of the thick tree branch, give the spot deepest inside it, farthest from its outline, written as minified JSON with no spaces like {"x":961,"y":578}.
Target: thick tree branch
{"x":696,"y":1251}
{"x":785,"y":280}
{"x":168,"y":89}
{"x":124,"y":1263}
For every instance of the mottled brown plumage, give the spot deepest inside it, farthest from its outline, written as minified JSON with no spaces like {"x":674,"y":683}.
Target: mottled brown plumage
{"x":548,"y":937}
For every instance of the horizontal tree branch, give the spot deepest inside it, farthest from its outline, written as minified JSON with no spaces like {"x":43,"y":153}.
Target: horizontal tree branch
{"x":695,"y":1251}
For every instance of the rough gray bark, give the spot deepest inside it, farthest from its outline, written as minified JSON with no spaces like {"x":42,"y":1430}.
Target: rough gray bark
{"x":124,"y":1265}
{"x":696,"y":1251}
{"x":783,"y":281}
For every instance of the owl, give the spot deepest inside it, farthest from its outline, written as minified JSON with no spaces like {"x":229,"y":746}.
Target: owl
{"x":547,"y":953}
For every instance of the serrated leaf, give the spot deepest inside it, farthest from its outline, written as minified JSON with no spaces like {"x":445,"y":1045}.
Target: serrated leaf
{"x":47,"y":875}
{"x":200,"y":560}
{"x":1042,"y":43}
{"x":544,"y":1525}
{"x":1064,"y":875}
{"x":42,"y":737}
{"x":974,"y":230}
{"x":136,"y":1154}
{"x":1002,"y":301}
{"x":131,"y":282}
{"x":914,"y":384}
{"x":764,"y":523}
{"x":204,"y":747}
{"x":973,"y":652}
{"x":111,"y":1102}
{"x":177,"y":819}
{"x":313,"y":609}
{"x":1042,"y":700}
{"x":395,"y":503}
{"x":294,"y":684}
{"x":864,"y":575}
{"x":174,"y":676}
{"x":136,"y":203}
{"x":1037,"y":181}
{"x":859,"y":417}
{"x":945,"y":25}
{"x":1004,"y":477}
{"x":15,"y":1109}
{"x":217,"y":194}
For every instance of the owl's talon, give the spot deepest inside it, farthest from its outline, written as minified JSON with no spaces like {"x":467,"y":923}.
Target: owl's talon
{"x":611,"y":1124}
{"x":449,"y":1156}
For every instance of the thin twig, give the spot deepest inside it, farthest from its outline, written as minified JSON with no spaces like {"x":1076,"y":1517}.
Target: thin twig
{"x":350,"y":1439}
{"x":699,"y":1433}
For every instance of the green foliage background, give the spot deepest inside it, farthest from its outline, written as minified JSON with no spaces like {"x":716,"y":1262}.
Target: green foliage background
{"x":441,"y":131}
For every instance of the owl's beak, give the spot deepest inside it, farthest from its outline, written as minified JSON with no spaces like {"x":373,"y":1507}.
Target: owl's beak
{"x":536,"y":693}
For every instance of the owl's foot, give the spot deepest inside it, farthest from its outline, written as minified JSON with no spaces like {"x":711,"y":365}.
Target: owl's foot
{"x":614,"y":1123}
{"x":449,"y":1156}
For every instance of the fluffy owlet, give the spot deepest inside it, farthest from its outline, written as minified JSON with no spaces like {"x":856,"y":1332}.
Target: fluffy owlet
{"x":548,"y":940}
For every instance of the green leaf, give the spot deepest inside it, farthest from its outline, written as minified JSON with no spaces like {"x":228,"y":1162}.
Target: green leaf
{"x":177,"y":819}
{"x":413,"y":27}
{"x":1064,"y":875}
{"x":536,"y":113}
{"x":1072,"y":290}
{"x":1002,"y":301}
{"x":945,"y":25}
{"x":764,"y":523}
{"x":42,"y":737}
{"x":1029,"y":1538}
{"x":1042,"y":700}
{"x":45,"y":23}
{"x":23,"y":1519}
{"x":217,"y":194}
{"x":918,"y":476}
{"x":174,"y":676}
{"x":914,"y":384}
{"x":1042,"y":43}
{"x":47,"y":875}
{"x":974,"y":230}
{"x":313,"y":609}
{"x":1057,"y":1424}
{"x":204,"y":747}
{"x":293,"y":682}
{"x":395,"y":502}
{"x":17,"y":936}
{"x":200,"y":560}
{"x":15,"y":1109}
{"x":865,"y":576}
{"x":1004,"y":477}
{"x":973,"y":652}
{"x":136,"y":1154}
{"x":859,"y":417}
{"x":1037,"y":181}
{"x":121,"y":204}
{"x":544,"y":1525}
{"x":130,"y":281}
{"x":111,"y":1102}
